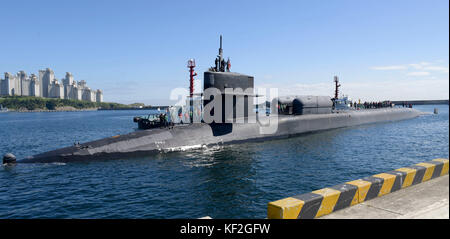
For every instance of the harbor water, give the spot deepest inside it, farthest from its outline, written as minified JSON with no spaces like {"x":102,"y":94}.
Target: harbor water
{"x":234,"y":181}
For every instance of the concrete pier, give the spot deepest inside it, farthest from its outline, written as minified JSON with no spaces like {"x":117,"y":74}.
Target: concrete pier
{"x":427,"y":200}
{"x":417,"y":191}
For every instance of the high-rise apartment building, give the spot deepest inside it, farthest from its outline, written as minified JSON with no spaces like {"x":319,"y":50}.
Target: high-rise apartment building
{"x":46,"y":85}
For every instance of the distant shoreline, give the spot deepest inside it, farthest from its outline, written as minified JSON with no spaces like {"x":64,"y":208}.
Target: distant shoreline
{"x":40,"y":104}
{"x":46,"y":110}
{"x":162,"y":108}
{"x":146,"y":108}
{"x":422,"y":102}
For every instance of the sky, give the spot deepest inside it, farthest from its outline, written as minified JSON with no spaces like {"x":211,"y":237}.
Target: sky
{"x":136,"y":51}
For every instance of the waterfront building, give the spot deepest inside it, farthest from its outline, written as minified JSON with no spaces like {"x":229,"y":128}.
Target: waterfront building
{"x":46,"y":77}
{"x":9,"y":85}
{"x":68,"y":86}
{"x":68,"y":80}
{"x":25,"y":86}
{"x":46,"y":85}
{"x":99,"y":96}
{"x":20,"y":81}
{"x":82,"y":84}
{"x":86,"y":94}
{"x":35,"y":87}
{"x":78,"y":93}
{"x":70,"y":91}
{"x":41,"y":78}
{"x":93,"y":96}
{"x":56,"y":90}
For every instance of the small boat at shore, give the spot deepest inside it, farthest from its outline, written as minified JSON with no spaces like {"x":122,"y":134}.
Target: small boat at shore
{"x":3,"y":109}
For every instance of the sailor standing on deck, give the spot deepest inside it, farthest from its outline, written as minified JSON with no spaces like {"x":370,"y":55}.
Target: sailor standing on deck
{"x":222,"y":65}
{"x":161,"y":120}
{"x":217,"y":64}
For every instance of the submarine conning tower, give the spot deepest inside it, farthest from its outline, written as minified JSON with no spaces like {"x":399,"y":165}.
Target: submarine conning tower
{"x":238,"y":87}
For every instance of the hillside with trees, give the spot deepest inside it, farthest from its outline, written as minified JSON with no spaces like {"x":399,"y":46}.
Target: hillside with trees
{"x":39,"y":103}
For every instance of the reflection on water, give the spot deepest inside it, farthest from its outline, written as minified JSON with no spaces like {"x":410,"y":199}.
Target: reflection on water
{"x":233,"y":181}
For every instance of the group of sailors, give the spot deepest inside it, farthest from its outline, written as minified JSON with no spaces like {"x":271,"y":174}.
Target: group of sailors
{"x":177,"y":116}
{"x":372,"y":105}
{"x":405,"y":104}
{"x":164,"y":120}
{"x":222,"y":65}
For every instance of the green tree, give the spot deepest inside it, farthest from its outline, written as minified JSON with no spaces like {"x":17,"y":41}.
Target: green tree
{"x":51,"y":105}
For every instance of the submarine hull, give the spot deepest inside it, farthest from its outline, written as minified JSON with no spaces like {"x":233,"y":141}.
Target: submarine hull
{"x":191,"y":136}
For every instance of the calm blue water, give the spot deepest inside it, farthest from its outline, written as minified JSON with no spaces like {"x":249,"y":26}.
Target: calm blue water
{"x":231,"y":182}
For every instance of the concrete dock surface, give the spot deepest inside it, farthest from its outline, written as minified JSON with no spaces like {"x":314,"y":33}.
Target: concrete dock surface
{"x":427,"y":200}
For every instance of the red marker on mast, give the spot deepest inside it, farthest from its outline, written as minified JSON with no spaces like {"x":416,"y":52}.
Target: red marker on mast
{"x":192,"y":73}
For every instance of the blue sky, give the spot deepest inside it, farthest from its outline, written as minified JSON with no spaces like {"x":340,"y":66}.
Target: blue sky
{"x":136,"y":51}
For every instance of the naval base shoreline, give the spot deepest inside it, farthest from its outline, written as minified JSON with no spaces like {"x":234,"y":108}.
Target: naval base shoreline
{"x":422,"y":102}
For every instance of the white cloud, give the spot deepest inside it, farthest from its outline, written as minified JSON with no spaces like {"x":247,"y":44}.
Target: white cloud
{"x":417,"y":66}
{"x":420,"y":65}
{"x":425,"y":89}
{"x":443,"y":69}
{"x":416,"y":69}
{"x":429,"y":88}
{"x":419,"y":73}
{"x":388,"y":68}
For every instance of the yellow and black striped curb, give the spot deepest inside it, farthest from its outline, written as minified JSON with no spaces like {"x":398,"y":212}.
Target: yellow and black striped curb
{"x":325,"y":201}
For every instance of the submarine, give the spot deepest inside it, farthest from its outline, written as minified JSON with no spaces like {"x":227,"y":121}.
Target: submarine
{"x":204,"y":124}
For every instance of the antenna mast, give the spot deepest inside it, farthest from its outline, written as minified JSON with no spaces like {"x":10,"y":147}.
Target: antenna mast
{"x":220,"y":64}
{"x":336,"y":91}
{"x":220,"y":50}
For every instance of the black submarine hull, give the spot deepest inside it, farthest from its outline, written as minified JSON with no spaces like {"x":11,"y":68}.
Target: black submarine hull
{"x":198,"y":135}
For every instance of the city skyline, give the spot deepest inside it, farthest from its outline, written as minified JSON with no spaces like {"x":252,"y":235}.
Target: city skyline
{"x":137,"y":52}
{"x":46,"y":85}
